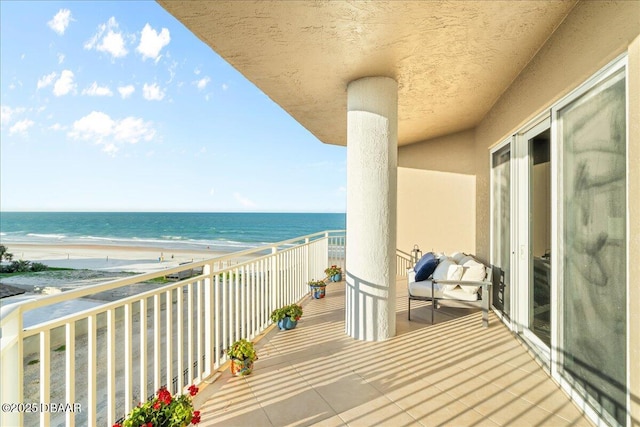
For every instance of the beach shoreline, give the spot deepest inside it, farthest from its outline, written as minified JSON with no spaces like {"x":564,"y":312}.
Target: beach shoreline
{"x":86,"y":265}
{"x":138,"y":259}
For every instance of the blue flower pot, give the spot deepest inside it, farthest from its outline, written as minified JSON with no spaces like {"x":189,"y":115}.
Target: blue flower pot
{"x":336,"y":277}
{"x":318,"y":292}
{"x":287,"y":323}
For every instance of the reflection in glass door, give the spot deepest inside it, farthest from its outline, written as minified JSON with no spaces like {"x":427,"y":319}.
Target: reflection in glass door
{"x":501,"y":228}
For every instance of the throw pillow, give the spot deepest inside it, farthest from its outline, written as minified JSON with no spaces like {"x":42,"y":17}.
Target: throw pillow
{"x":440,"y":273}
{"x":474,"y":273}
{"x":426,"y":270}
{"x":422,"y":261}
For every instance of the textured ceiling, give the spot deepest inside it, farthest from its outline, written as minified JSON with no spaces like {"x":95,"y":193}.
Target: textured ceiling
{"x":452,"y":59}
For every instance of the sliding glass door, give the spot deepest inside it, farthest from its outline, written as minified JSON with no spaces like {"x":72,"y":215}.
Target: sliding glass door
{"x":534,"y":264}
{"x":559,"y":241}
{"x":593,"y":242}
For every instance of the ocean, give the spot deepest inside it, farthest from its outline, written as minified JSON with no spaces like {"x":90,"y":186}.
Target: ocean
{"x":225,"y":232}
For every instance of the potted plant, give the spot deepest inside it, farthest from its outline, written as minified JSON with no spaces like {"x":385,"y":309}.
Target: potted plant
{"x":287,"y":317}
{"x":334,"y":273}
{"x":164,"y":410}
{"x":242,"y":354}
{"x":318,"y":288}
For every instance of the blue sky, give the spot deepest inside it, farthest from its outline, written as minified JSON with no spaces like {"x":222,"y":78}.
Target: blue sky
{"x":115,"y":106}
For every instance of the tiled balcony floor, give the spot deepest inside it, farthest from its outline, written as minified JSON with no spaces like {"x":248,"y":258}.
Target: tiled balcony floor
{"x":454,"y":373}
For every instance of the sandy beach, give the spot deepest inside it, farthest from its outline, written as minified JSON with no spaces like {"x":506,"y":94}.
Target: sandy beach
{"x":107,"y":257}
{"x":89,"y":265}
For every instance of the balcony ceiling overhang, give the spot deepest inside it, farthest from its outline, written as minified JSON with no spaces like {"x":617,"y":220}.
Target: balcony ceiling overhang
{"x":452,"y":59}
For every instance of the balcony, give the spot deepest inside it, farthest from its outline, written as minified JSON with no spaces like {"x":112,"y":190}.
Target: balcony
{"x":107,"y":357}
{"x":452,"y":373}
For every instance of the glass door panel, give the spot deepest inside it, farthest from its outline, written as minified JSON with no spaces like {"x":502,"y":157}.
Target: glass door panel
{"x":539,"y":301}
{"x":593,"y":244}
{"x":501,"y":228}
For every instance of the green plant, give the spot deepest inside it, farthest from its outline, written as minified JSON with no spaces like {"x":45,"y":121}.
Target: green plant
{"x":164,"y":410}
{"x":333,"y":270}
{"x":38,"y":266}
{"x":4,"y":255}
{"x":315,"y":283}
{"x":242,"y":350}
{"x":293,"y":311}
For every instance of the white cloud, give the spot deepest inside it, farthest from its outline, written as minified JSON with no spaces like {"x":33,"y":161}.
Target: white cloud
{"x":60,"y":22}
{"x":95,"y":90}
{"x":7,"y":114}
{"x":132,"y":130}
{"x":126,"y":91}
{"x":224,"y":86}
{"x":196,"y":71}
{"x":46,"y":80}
{"x":212,"y":191}
{"x":111,"y":134}
{"x":152,"y":42}
{"x":21,"y":127}
{"x":64,"y":84}
{"x":57,"y":127}
{"x":61,"y":58}
{"x":172,"y":71}
{"x":152,"y":92}
{"x":96,"y":125}
{"x":108,"y":39}
{"x":243,"y":200}
{"x":202,"y":83}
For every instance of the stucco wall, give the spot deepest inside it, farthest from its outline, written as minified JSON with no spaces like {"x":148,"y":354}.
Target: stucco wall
{"x":437,"y":194}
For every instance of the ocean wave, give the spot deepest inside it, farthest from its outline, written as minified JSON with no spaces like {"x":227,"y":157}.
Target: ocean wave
{"x":47,"y":236}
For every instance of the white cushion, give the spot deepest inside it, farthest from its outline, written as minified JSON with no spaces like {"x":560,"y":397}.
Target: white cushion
{"x":455,"y":272}
{"x":472,"y":262}
{"x":465,"y":259}
{"x":457,"y":256}
{"x":440,"y":273}
{"x":423,"y":289}
{"x":473,"y":273}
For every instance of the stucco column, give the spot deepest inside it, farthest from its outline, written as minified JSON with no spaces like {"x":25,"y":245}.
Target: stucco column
{"x":372,"y":161}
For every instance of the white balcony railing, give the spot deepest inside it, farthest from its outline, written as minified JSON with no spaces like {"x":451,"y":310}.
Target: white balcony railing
{"x":108,"y":358}
{"x":404,"y":261}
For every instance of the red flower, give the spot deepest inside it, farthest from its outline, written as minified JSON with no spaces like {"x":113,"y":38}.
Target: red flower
{"x":117,"y":425}
{"x":196,"y":417}
{"x":148,"y":425}
{"x":164,"y":396}
{"x":157,"y":405}
{"x":193,"y":390}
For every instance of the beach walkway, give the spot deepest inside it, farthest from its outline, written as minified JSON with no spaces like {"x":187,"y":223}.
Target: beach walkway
{"x":453,"y":373}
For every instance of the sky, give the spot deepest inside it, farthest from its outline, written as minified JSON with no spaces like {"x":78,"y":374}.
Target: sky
{"x":116,"y":106}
